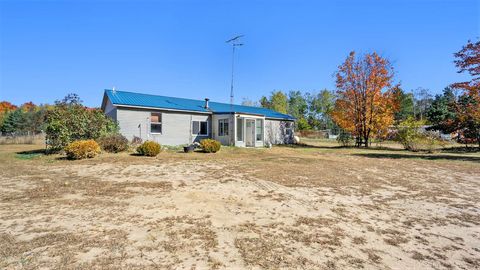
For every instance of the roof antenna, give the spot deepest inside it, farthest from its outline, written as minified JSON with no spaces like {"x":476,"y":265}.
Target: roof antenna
{"x":235,"y":42}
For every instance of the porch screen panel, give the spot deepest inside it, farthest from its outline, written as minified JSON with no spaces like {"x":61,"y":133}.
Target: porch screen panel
{"x":239,"y":129}
{"x":259,"y":131}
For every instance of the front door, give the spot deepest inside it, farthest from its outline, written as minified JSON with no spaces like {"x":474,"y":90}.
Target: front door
{"x":250,"y":133}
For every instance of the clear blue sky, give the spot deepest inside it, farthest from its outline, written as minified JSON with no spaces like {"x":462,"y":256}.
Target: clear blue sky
{"x":177,"y":48}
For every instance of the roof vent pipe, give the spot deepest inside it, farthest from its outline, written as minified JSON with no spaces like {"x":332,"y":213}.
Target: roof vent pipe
{"x":206,"y":103}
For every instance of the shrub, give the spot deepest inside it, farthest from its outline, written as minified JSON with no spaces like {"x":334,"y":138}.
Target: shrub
{"x":136,"y":140}
{"x":345,"y":139}
{"x":413,"y":138}
{"x":114,"y":143}
{"x":431,"y":141}
{"x":410,"y":134}
{"x":82,"y":149}
{"x":69,"y":120}
{"x":210,"y":145}
{"x":149,"y":148}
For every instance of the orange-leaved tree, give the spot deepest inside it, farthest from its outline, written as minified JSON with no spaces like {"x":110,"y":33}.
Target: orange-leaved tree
{"x":5,"y":107}
{"x":366,"y":97}
{"x":467,"y":108}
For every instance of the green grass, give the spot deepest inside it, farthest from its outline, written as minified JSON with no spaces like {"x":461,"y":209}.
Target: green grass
{"x":28,"y":156}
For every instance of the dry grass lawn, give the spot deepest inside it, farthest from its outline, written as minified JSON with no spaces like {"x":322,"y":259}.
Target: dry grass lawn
{"x":312,"y":207}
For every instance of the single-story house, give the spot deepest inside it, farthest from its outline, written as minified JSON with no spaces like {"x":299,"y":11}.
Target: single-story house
{"x":178,"y":121}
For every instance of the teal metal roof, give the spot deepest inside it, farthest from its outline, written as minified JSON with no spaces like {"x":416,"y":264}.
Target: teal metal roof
{"x":172,"y":103}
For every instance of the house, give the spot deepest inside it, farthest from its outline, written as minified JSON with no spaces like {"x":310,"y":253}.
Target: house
{"x":178,"y":121}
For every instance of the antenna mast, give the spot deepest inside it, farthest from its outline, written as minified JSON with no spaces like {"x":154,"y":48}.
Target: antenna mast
{"x":235,"y":42}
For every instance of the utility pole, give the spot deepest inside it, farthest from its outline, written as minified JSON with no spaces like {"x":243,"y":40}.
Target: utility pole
{"x":235,"y":42}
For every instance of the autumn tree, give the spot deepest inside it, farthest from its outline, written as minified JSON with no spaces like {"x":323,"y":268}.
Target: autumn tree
{"x":366,"y":100}
{"x":5,"y":108}
{"x":467,"y":108}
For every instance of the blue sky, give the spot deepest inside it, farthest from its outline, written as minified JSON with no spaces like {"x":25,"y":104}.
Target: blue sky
{"x":177,"y":48}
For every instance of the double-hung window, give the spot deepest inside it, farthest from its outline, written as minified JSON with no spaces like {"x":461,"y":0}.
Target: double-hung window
{"x":200,"y":128}
{"x":155,"y":123}
{"x":223,"y":127}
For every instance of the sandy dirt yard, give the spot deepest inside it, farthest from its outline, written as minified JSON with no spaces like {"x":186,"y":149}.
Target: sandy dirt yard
{"x":317,"y":207}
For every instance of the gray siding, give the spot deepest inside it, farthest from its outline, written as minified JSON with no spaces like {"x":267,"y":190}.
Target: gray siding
{"x":224,"y":140}
{"x":276,"y":131}
{"x":110,"y":110}
{"x":176,"y":126}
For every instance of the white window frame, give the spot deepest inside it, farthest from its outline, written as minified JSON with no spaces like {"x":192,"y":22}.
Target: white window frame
{"x":156,"y":123}
{"x":199,"y":127}
{"x":221,"y":127}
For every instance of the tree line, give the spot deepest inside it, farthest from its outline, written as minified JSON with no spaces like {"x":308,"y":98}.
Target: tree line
{"x":63,"y":122}
{"x":368,"y":104}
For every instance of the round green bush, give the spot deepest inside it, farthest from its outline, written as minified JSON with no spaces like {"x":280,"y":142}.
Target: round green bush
{"x":114,"y":143}
{"x":345,"y":139}
{"x":149,"y":148}
{"x":82,"y":149}
{"x":210,"y":145}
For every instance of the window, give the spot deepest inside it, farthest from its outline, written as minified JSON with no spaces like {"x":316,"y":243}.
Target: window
{"x":155,"y":123}
{"x":289,"y":129}
{"x":200,"y":128}
{"x":223,"y":127}
{"x":259,"y":127}
{"x":240,"y":129}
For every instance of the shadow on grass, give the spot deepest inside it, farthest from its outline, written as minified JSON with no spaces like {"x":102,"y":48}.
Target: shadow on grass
{"x":304,"y":145}
{"x":461,"y":149}
{"x":31,"y":152}
{"x":425,"y":156}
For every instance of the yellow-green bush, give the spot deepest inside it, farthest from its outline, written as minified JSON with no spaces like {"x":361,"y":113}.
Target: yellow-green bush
{"x":413,"y":138}
{"x":210,"y":145}
{"x":82,"y":149}
{"x":149,"y":148}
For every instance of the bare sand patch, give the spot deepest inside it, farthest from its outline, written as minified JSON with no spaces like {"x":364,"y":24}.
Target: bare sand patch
{"x":281,"y":209}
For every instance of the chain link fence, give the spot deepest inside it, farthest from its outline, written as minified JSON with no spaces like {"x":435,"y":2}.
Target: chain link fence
{"x":22,"y":138}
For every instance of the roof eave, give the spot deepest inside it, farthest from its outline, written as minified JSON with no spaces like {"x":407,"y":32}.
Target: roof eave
{"x":158,"y":108}
{"x":279,"y":118}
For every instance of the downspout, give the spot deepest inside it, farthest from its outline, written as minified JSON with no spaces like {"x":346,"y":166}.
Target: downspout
{"x":190,"y":136}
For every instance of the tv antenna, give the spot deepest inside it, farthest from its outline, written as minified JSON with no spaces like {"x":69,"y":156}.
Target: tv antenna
{"x":235,"y":42}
